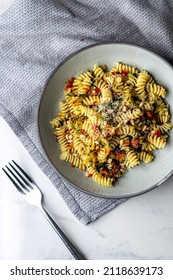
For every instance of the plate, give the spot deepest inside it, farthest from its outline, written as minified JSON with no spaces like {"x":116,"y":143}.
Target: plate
{"x":137,"y":180}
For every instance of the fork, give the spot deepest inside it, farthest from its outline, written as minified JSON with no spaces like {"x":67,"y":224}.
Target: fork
{"x":30,"y":191}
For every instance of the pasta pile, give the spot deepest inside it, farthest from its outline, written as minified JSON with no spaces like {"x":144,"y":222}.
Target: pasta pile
{"x":111,"y":120}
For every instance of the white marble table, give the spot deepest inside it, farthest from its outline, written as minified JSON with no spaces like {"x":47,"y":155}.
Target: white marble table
{"x":141,"y":228}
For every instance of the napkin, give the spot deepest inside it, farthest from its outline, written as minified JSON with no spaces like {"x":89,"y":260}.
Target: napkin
{"x":36,"y":35}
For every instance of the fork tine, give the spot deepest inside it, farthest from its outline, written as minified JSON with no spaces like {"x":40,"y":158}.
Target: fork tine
{"x":26,"y":175}
{"x":21,"y":181}
{"x":13,"y":181}
{"x":28,"y":184}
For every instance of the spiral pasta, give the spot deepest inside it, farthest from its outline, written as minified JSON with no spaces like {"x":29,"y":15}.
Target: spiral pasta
{"x":120,"y":67}
{"x":146,"y":156}
{"x":132,"y":159}
{"x":141,"y":84}
{"x":111,"y":120}
{"x":74,"y":160}
{"x":156,"y":89}
{"x":98,"y":178}
{"x":158,"y":141}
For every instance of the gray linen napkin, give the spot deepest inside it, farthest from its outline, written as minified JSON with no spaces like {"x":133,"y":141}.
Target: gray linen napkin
{"x":36,"y":35}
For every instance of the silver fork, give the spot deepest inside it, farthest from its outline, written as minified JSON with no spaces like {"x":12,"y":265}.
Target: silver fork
{"x":30,"y":191}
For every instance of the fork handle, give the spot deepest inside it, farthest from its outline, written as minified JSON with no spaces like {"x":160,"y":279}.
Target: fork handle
{"x":62,"y":235}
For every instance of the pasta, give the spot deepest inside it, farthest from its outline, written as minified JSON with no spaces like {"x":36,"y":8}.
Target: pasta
{"x":111,"y":120}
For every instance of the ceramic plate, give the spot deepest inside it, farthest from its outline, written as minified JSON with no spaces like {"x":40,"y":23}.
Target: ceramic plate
{"x":137,"y":180}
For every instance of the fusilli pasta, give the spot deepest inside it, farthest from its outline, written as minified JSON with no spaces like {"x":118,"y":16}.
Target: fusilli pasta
{"x":111,"y":120}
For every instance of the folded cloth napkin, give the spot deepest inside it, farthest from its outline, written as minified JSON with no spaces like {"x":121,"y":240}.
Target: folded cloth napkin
{"x":36,"y":35}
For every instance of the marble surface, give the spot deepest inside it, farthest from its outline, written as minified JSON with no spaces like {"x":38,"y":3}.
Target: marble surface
{"x":141,"y":228}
